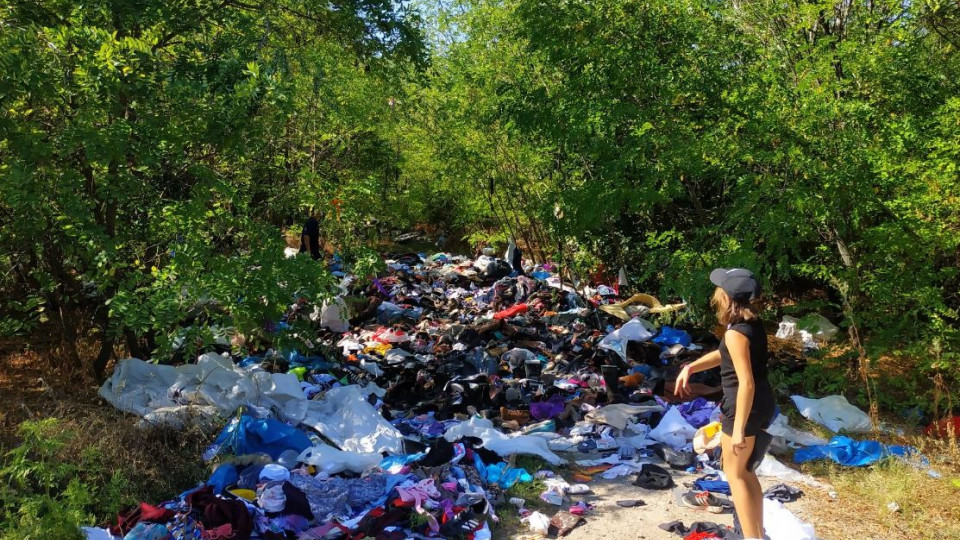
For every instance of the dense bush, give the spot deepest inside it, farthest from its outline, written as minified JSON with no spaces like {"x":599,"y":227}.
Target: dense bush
{"x":151,"y":153}
{"x":815,"y":142}
{"x":74,"y":472}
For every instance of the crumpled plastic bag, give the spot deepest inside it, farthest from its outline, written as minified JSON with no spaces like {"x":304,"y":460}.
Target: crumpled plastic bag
{"x":835,"y":413}
{"x":673,"y":430}
{"x":334,"y":315}
{"x":707,"y":438}
{"x":672,"y":336}
{"x":247,"y":435}
{"x":634,"y":330}
{"x":538,"y":523}
{"x":772,"y":468}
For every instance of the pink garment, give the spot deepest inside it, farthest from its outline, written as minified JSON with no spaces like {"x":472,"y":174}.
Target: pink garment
{"x":419,"y":493}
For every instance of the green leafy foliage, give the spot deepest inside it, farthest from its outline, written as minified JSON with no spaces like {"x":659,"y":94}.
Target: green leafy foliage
{"x":151,"y":153}
{"x":815,"y":143}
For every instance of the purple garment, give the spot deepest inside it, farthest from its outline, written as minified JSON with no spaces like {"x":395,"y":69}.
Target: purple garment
{"x":697,"y":412}
{"x":427,"y":425}
{"x":545,"y":410}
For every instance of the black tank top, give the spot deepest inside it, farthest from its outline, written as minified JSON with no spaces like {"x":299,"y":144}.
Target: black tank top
{"x":758,"y":356}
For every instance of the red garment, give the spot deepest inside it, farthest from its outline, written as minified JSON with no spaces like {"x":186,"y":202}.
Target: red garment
{"x":151,"y":513}
{"x":700,"y":536}
{"x":145,"y":512}
{"x":943,"y":427}
{"x":512,"y":311}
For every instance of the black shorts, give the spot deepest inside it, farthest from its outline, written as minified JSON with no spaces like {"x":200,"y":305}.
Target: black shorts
{"x":761,"y":414}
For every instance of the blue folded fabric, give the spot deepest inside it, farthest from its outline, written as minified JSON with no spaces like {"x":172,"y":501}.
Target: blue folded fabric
{"x":851,"y":453}
{"x":713,"y":484}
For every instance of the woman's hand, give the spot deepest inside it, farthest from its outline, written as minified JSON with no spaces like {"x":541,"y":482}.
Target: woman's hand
{"x":682,"y":386}
{"x":737,"y":442}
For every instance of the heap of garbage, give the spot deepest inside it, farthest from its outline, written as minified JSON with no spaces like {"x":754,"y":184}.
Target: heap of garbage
{"x":436,"y":385}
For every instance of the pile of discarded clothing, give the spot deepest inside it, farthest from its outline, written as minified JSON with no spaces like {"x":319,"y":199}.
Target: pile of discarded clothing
{"x":403,"y":413}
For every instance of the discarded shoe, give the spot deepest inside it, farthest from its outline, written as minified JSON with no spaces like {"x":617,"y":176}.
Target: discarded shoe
{"x":704,"y":500}
{"x":515,"y":415}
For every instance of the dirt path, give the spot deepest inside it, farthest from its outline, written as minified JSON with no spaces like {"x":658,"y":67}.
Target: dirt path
{"x":613,"y":522}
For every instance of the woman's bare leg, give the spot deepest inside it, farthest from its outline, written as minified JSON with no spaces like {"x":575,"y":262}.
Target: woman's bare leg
{"x":744,"y":486}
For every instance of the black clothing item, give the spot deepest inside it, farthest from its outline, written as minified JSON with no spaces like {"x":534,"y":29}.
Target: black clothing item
{"x":676,"y":459}
{"x":311,"y":229}
{"x":441,"y":452}
{"x":761,"y":414}
{"x":653,"y":477}
{"x":760,"y":446}
{"x":783,"y":493}
{"x":517,"y":262}
{"x":498,"y":269}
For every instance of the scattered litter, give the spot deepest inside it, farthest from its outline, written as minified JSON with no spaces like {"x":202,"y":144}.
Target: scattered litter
{"x":835,"y":413}
{"x":405,"y":412}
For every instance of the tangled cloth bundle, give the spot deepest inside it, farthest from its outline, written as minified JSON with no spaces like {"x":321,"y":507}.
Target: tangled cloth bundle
{"x":223,"y":532}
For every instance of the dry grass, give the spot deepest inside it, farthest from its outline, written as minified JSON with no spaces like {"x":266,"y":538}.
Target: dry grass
{"x":112,"y":455}
{"x":928,"y":506}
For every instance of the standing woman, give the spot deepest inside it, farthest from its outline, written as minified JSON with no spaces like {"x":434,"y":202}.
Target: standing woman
{"x":748,"y":404}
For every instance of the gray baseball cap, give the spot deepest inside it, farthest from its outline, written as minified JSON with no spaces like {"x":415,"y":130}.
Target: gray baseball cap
{"x":739,"y":283}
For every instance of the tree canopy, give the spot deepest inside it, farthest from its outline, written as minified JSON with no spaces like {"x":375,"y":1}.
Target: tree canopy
{"x":153,"y":153}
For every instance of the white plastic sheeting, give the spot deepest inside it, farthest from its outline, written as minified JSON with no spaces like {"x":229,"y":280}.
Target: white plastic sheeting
{"x":781,"y":524}
{"x":786,"y":435}
{"x":835,"y":413}
{"x":634,"y":330}
{"x":500,"y":443}
{"x":772,"y":468}
{"x":215,"y":386}
{"x":346,"y":418}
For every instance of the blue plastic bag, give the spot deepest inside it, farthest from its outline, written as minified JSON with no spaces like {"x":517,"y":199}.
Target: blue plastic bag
{"x":248,"y":435}
{"x":224,"y":475}
{"x":672,"y":336}
{"x":851,"y":453}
